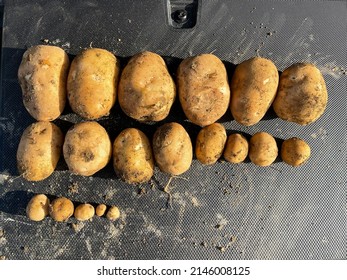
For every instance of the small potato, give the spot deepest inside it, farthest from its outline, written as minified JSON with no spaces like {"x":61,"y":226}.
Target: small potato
{"x":38,"y":207}
{"x":87,"y":148}
{"x":39,"y":150}
{"x":92,"y":83}
{"x":295,"y":151}
{"x":262,"y":149}
{"x":132,"y":156}
{"x":302,"y":94}
{"x":172,"y":148}
{"x":203,"y":88}
{"x":42,"y":76}
{"x":146,"y":90}
{"x":253,"y":89}
{"x":236,"y":149}
{"x":113,"y":213}
{"x":210,"y":143}
{"x":100,"y":210}
{"x":84,"y":212}
{"x":61,"y":209}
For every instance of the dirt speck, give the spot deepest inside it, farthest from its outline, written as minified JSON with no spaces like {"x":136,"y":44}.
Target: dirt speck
{"x":195,"y":202}
{"x":2,"y":258}
{"x":77,"y":226}
{"x":73,"y":188}
{"x":203,"y":244}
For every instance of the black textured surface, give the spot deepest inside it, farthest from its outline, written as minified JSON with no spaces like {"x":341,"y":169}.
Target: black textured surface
{"x":216,"y":212}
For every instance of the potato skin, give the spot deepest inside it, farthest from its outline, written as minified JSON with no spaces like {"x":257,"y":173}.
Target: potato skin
{"x":87,"y":148}
{"x":236,"y":148}
{"x":61,"y":209}
{"x":146,"y":90}
{"x":253,"y":88}
{"x":38,"y":207}
{"x":203,"y":88}
{"x":295,"y":151}
{"x":84,"y":212}
{"x":172,"y":148}
{"x":132,"y":156}
{"x":100,"y":210}
{"x":302,"y":94}
{"x":210,"y":143}
{"x":263,"y":149}
{"x":39,"y":150}
{"x":113,"y":213}
{"x":92,"y":83}
{"x":42,"y":77}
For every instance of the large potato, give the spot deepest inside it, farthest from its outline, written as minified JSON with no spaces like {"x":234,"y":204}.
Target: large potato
{"x":263,"y":149}
{"x":87,"y":148}
{"x":253,"y":89}
{"x":42,"y":77}
{"x":203,"y":88}
{"x":39,"y":150}
{"x":132,"y":156}
{"x":146,"y":90}
{"x":236,"y":148}
{"x":172,"y":148}
{"x":92,"y":83}
{"x":302,"y":95}
{"x":295,"y":151}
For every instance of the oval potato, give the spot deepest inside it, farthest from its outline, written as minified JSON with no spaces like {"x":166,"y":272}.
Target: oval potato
{"x":38,"y":207}
{"x":263,"y":149}
{"x":84,"y":212}
{"x":295,"y":151}
{"x":61,"y":209}
{"x":236,"y":148}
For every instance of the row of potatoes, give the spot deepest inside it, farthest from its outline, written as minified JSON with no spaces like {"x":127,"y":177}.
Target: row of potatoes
{"x":87,"y":148}
{"x":146,"y":91}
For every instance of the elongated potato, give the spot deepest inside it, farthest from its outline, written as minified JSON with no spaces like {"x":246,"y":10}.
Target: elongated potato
{"x":42,"y":77}
{"x":203,"y":88}
{"x":253,"y":89}
{"x":302,"y":94}
{"x":295,"y":151}
{"x":172,"y":148}
{"x":92,"y":83}
{"x":132,"y":156}
{"x":263,"y":149}
{"x":236,"y":148}
{"x":146,"y":90}
{"x":38,"y":207}
{"x":87,"y":148}
{"x":39,"y":150}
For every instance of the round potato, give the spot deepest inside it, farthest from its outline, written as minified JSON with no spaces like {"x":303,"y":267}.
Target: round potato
{"x":236,"y":148}
{"x":100,"y":210}
{"x":132,"y":156}
{"x":113,"y":213}
{"x":84,"y":212}
{"x":61,"y":209}
{"x":38,"y":207}
{"x":210,"y":143}
{"x":295,"y":151}
{"x":253,"y":89}
{"x":302,"y":95}
{"x":172,"y":148}
{"x":203,"y":88}
{"x":39,"y":150}
{"x":263,"y":149}
{"x":87,"y":148}
{"x":146,"y":90}
{"x":92,"y":83}
{"x":42,"y":76}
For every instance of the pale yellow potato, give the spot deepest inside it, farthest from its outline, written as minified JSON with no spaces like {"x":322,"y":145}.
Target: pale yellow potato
{"x":263,"y":149}
{"x":236,"y":148}
{"x":253,"y":89}
{"x":302,"y":94}
{"x":42,"y":76}
{"x":132,"y":156}
{"x":84,"y":212}
{"x":100,"y":210}
{"x":210,"y":143}
{"x":92,"y":83}
{"x":203,"y":88}
{"x":172,"y":148}
{"x":295,"y":151}
{"x":38,"y":207}
{"x":113,"y":213}
{"x":61,"y":209}
{"x":87,"y":148}
{"x":39,"y":150}
{"x":146,"y":90}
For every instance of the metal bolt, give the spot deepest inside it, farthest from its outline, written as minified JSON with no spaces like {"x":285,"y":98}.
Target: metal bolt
{"x":180,"y":16}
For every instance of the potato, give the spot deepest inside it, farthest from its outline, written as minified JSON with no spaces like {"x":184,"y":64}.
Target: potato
{"x":253,"y":88}
{"x":302,"y":94}
{"x":203,"y":88}
{"x":113,"y":213}
{"x":84,"y":212}
{"x":38,"y":207}
{"x":87,"y":148}
{"x":172,"y":148}
{"x":39,"y":150}
{"x":263,"y":149}
{"x":236,"y":148}
{"x":146,"y":90}
{"x":132,"y":156}
{"x":100,"y":210}
{"x":92,"y":83}
{"x":210,"y":143}
{"x":295,"y":151}
{"x":61,"y":209}
{"x":42,"y":77}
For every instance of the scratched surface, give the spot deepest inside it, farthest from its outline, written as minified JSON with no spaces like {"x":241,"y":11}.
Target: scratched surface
{"x":222,"y":211}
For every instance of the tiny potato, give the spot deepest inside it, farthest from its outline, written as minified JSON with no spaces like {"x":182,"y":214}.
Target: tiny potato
{"x":263,"y":149}
{"x":84,"y":212}
{"x":295,"y":151}
{"x":236,"y":148}
{"x":38,"y":207}
{"x":100,"y":210}
{"x":61,"y":209}
{"x":113,"y":213}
